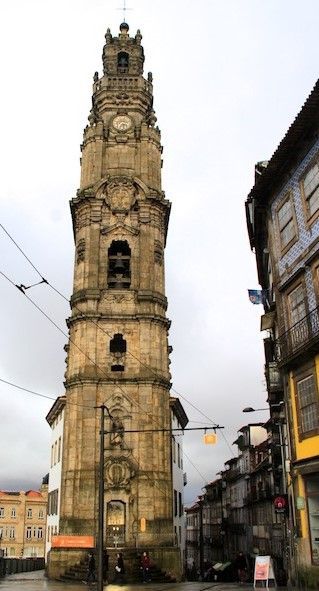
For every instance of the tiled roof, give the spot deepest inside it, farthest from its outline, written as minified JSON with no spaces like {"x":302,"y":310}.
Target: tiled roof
{"x":299,"y":135}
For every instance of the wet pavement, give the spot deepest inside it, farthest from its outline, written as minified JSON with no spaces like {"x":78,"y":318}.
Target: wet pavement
{"x":36,"y":581}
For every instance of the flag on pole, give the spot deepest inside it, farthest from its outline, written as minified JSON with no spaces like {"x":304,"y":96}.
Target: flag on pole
{"x":255,"y":296}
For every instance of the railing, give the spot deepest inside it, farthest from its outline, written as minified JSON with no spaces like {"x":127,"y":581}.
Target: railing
{"x":232,"y":474}
{"x":22,"y":565}
{"x":262,"y":494}
{"x":298,"y":337}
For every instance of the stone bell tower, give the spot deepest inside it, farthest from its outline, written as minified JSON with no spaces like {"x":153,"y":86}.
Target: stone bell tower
{"x":118,"y":352}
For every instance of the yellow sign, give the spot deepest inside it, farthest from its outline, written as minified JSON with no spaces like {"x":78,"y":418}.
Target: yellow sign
{"x":210,"y":439}
{"x":143,"y":524}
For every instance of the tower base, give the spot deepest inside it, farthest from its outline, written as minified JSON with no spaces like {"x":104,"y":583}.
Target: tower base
{"x":167,"y":559}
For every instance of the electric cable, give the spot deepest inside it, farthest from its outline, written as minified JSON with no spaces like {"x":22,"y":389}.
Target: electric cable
{"x":43,"y":280}
{"x":95,"y":323}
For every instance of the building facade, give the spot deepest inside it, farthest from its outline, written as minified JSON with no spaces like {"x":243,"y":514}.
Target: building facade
{"x":23,"y":523}
{"x":55,"y":419}
{"x":283,"y":224}
{"x":179,"y":421}
{"x":118,"y":350}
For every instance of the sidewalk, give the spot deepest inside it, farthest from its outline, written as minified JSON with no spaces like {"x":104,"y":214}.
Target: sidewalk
{"x":36,"y":581}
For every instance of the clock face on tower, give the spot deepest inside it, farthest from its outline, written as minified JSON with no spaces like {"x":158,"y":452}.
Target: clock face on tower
{"x":122,"y":122}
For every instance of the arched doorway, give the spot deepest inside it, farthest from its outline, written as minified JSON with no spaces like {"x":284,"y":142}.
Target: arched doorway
{"x":115,"y":524}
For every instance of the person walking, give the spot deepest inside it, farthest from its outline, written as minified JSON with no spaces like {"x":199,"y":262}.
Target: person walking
{"x":241,"y":567}
{"x":145,"y":566}
{"x":105,"y":565}
{"x":91,"y":569}
{"x":119,"y":569}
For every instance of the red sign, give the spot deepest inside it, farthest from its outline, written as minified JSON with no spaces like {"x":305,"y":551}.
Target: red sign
{"x":280,"y":504}
{"x":72,"y":542}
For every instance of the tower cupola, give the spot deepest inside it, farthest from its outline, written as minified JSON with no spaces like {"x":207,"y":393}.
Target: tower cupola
{"x":123,"y":55}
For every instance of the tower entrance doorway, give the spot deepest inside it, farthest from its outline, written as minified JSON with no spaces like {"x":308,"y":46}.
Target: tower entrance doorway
{"x":115,"y":524}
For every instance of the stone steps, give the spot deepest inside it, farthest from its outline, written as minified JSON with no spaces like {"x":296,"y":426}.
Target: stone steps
{"x":133,"y":573}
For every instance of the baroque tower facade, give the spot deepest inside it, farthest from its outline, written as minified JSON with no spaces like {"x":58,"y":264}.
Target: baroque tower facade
{"x":118,"y":352}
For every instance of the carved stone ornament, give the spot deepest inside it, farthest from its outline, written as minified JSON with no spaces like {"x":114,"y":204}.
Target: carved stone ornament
{"x":120,"y":193}
{"x":80,"y":250}
{"x":118,"y":472}
{"x":158,"y":252}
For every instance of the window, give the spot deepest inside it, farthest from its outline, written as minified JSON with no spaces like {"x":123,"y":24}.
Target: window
{"x":12,"y":533}
{"x":119,"y":256}
{"x":310,"y":186}
{"x":180,"y":504}
{"x":118,"y":344}
{"x":53,"y":502}
{"x":29,"y":533}
{"x":13,"y":512}
{"x":59,"y":449}
{"x":29,"y":513}
{"x":122,"y":62}
{"x":118,"y":350}
{"x":312,"y":488}
{"x":2,"y":512}
{"x":174,"y":449}
{"x":286,"y":222}
{"x":41,"y":514}
{"x":52,"y":452}
{"x":297,"y":306}
{"x":308,"y":404}
{"x":40,"y":533}
{"x":175,"y":503}
{"x":178,"y":455}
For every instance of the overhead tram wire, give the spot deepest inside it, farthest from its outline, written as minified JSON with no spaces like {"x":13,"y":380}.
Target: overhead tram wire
{"x":96,"y":323}
{"x":79,"y":404}
{"x":111,"y":336}
{"x":93,"y":362}
{"x":41,"y":395}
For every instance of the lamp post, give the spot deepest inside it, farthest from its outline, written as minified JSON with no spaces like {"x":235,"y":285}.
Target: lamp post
{"x":101,"y":505}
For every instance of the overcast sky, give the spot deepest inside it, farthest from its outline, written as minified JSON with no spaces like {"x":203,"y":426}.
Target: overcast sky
{"x":229,"y":78}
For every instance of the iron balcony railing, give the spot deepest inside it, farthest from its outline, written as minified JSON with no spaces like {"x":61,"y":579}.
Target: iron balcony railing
{"x":299,"y":337}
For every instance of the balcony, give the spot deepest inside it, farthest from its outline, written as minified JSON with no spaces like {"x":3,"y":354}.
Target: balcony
{"x":301,"y":337}
{"x":232,"y":474}
{"x":262,"y":494}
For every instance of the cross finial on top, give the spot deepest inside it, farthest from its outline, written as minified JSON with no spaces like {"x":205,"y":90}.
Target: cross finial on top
{"x":125,"y":9}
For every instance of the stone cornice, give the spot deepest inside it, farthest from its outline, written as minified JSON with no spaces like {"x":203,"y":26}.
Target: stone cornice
{"x":79,"y":380}
{"x":96,"y":294}
{"x":118,"y":318}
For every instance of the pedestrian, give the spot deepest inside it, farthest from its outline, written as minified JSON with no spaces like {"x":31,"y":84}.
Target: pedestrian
{"x":105,"y":565}
{"x":145,"y":566}
{"x":91,"y":569}
{"x":241,"y":567}
{"x":119,"y":569}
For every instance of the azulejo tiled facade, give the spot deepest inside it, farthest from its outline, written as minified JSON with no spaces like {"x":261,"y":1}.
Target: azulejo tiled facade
{"x":283,"y":225}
